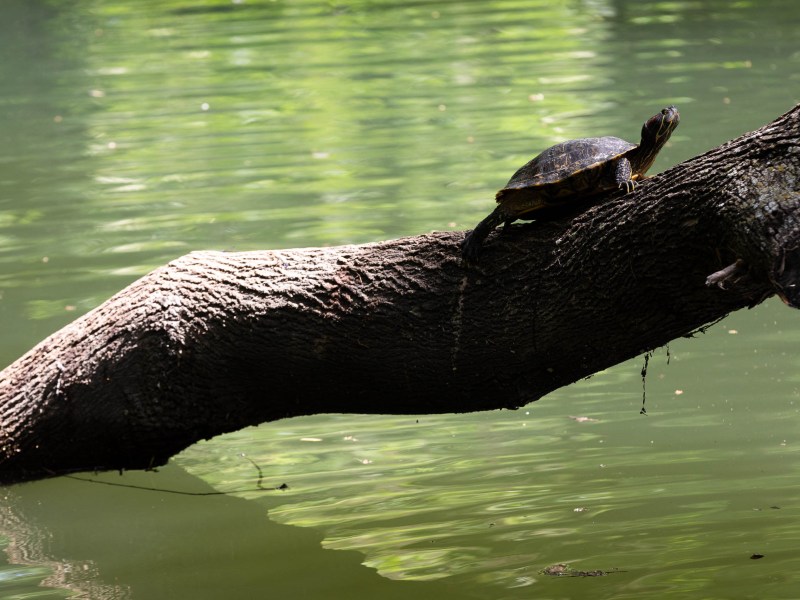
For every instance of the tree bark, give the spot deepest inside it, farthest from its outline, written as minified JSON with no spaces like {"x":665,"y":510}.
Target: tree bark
{"x":214,"y":341}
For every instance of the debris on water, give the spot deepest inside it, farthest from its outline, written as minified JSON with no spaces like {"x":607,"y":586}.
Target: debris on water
{"x":757,"y":556}
{"x":556,"y":570}
{"x":564,"y":570}
{"x":584,"y":419}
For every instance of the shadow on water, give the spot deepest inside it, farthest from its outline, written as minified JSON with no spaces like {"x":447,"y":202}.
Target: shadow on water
{"x":112,"y":543}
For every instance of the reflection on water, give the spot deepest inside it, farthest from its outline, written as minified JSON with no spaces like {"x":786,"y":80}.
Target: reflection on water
{"x":137,"y":131}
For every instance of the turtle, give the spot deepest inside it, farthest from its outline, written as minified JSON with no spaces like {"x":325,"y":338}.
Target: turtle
{"x":570,"y":171}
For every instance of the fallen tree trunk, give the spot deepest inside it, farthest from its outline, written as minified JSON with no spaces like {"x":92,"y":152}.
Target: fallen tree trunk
{"x":214,"y":341}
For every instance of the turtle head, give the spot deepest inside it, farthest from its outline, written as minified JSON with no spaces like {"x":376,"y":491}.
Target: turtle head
{"x":655,"y":133}
{"x":657,"y":129}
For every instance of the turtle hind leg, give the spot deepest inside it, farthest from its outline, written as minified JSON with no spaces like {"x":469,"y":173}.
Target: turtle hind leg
{"x":473,"y":243}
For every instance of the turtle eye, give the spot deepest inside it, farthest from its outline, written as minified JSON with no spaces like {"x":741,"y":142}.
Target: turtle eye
{"x":670,"y":115}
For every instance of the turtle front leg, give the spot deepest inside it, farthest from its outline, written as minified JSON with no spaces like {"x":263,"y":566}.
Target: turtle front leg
{"x":622,"y":175}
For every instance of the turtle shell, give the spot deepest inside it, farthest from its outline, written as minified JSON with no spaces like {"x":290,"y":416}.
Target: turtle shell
{"x":565,"y":170}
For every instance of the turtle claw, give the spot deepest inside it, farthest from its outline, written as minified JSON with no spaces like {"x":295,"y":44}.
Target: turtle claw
{"x":470,"y":249}
{"x":473,"y":242}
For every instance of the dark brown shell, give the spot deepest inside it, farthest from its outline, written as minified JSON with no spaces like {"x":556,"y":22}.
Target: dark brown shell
{"x":567,"y":169}
{"x":569,"y":159}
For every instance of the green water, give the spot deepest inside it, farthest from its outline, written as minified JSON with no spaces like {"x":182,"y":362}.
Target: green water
{"x":134,"y":132}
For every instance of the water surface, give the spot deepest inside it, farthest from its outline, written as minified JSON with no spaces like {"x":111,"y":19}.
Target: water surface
{"x":138,"y":131}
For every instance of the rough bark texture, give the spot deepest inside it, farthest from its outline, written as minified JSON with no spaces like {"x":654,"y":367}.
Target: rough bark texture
{"x":213,"y":341}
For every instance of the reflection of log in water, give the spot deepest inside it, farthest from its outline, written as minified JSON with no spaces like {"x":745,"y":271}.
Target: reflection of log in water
{"x":33,"y":547}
